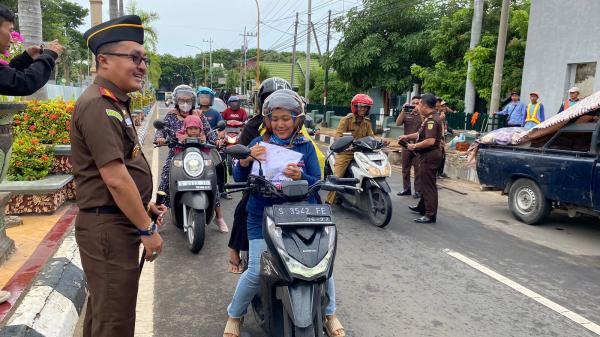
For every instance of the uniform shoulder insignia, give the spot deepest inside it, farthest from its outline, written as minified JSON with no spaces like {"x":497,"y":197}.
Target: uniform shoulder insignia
{"x":107,"y":93}
{"x":430,"y":124}
{"x":115,"y":114}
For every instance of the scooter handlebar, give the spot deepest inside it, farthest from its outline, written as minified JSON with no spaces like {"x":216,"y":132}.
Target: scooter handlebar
{"x":233,"y":186}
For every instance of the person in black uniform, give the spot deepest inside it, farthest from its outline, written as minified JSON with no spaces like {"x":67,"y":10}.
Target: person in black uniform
{"x":429,"y":155}
{"x":28,"y":72}
{"x":238,"y":241}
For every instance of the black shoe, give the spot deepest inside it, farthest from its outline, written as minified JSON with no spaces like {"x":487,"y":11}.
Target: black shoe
{"x":417,"y":195}
{"x":226,"y":196}
{"x":425,"y":219}
{"x":443,"y":176}
{"x":404,"y":193}
{"x":416,"y":209}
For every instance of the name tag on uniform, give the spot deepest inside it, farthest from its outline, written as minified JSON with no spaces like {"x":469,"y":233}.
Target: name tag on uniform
{"x":128,"y":121}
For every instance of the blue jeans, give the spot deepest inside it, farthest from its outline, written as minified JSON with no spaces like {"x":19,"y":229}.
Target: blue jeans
{"x":249,"y":284}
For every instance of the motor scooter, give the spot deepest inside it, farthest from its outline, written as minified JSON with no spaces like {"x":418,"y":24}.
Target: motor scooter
{"x":372,"y":168}
{"x":193,"y":186}
{"x":301,"y":243}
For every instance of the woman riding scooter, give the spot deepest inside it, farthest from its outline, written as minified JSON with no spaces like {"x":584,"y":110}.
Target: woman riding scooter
{"x":283,"y":118}
{"x":185,"y":101}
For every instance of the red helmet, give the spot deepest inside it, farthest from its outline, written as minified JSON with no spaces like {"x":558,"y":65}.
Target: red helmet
{"x":361,"y":100}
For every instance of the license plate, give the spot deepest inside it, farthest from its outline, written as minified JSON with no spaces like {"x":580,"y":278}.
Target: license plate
{"x":302,"y":215}
{"x":194,"y":185}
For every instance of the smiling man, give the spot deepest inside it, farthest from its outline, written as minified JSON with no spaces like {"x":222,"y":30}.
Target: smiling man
{"x":28,"y":72}
{"x":114,"y":181}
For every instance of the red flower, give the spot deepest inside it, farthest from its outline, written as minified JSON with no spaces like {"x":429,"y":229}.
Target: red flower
{"x":17,"y":121}
{"x":32,"y":128}
{"x":52,"y":132}
{"x":18,"y":163}
{"x":21,"y":142}
{"x":45,"y":158}
{"x":53,"y":117}
{"x":35,"y":141}
{"x":26,"y":117}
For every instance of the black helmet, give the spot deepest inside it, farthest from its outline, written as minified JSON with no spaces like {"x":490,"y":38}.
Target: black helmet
{"x":269,"y":86}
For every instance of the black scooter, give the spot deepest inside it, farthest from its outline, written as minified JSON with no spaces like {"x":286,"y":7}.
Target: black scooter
{"x":193,"y":186}
{"x":301,"y":246}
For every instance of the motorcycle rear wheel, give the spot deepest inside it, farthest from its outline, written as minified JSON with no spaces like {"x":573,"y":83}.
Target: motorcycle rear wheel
{"x":380,"y":209}
{"x":196,"y":221}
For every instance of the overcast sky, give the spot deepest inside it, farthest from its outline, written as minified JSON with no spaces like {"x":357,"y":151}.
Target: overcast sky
{"x":193,"y":21}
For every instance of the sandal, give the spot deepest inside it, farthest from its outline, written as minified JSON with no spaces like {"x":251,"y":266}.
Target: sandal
{"x":233,"y":327}
{"x":332,"y":326}
{"x":235,"y":268}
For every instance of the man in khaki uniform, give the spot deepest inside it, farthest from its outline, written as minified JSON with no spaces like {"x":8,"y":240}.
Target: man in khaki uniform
{"x":428,"y":140}
{"x":359,"y":125}
{"x":113,"y":179}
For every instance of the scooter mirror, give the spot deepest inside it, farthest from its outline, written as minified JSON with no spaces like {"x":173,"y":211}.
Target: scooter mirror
{"x":341,"y":144}
{"x":222,"y":125}
{"x":158,"y":124}
{"x":238,"y":151}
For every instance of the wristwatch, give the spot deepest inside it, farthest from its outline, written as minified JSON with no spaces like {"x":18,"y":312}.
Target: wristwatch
{"x":150,"y":231}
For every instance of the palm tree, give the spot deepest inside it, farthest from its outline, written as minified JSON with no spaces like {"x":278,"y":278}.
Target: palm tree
{"x":30,"y":26}
{"x":113,"y":9}
{"x":150,"y":40}
{"x":30,"y":21}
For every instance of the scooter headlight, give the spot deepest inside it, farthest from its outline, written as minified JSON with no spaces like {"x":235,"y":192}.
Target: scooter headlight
{"x":193,"y":164}
{"x":293,"y":266}
{"x":231,"y":140}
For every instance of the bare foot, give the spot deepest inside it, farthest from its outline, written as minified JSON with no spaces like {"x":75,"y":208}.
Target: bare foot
{"x":234,"y":261}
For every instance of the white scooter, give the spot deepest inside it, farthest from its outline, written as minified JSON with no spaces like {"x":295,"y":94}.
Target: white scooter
{"x":371,"y":167}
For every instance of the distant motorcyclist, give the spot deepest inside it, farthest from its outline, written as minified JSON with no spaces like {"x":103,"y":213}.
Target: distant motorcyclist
{"x":234,"y":110}
{"x":357,"y":123}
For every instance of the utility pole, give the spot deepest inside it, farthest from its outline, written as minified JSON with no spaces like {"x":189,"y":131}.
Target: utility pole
{"x":475,"y":39}
{"x":245,"y":52}
{"x":210,"y":42}
{"x":294,"y":50}
{"x":307,"y":73}
{"x":326,"y":87}
{"x":316,"y":39}
{"x":500,"y":51}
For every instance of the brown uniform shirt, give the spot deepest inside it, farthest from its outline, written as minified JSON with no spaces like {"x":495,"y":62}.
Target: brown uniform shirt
{"x":412,"y":122}
{"x":102,"y":131}
{"x":348,"y":124}
{"x":431,"y":128}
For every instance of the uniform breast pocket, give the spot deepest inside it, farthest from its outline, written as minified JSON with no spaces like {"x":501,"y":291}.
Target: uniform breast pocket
{"x":130,"y":142}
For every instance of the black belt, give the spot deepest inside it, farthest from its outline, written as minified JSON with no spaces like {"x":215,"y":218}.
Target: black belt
{"x":103,"y":210}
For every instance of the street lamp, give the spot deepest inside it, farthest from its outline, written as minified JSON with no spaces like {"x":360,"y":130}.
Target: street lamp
{"x":257,"y":45}
{"x":192,"y":76}
{"x":203,"y":59}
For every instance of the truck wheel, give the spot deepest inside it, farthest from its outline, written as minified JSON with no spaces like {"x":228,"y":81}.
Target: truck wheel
{"x":527,"y":202}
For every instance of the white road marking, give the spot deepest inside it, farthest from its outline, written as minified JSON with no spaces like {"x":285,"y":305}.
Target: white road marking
{"x":584,"y":322}
{"x":144,"y":323}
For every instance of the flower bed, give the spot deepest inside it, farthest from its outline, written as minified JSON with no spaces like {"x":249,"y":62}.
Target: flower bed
{"x":36,"y":130}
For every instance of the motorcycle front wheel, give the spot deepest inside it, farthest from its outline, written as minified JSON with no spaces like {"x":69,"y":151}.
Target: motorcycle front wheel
{"x":380,"y":207}
{"x":196,"y":221}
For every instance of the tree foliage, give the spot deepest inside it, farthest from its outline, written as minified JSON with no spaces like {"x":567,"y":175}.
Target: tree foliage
{"x":450,"y":52}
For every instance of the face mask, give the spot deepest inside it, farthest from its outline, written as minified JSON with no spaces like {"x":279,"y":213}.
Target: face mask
{"x":185,"y":107}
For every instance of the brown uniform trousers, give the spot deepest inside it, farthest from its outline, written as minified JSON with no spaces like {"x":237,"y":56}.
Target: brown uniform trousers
{"x":109,"y":245}
{"x":409,"y":159}
{"x":429,"y":163}
{"x":342,"y":160}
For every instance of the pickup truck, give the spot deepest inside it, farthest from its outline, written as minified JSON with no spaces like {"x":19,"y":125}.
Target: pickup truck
{"x":559,"y":172}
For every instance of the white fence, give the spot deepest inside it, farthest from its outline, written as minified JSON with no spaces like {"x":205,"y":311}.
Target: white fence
{"x":66,"y":92}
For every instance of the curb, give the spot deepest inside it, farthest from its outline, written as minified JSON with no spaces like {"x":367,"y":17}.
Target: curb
{"x":52,"y":306}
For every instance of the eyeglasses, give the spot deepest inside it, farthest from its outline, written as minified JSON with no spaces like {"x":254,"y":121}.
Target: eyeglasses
{"x":137,"y":59}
